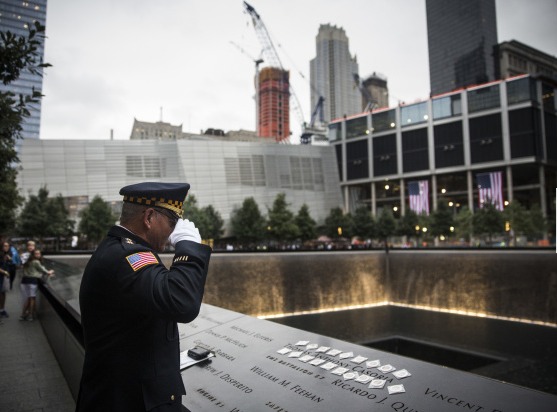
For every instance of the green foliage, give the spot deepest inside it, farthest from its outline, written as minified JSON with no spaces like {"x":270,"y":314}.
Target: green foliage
{"x":96,"y":219}
{"x":518,"y":218}
{"x":213,"y":223}
{"x":206,"y":219}
{"x":280,"y":223}
{"x":363,"y":223}
{"x":305,"y":224}
{"x":248,"y":225}
{"x":17,"y":54}
{"x":386,"y":224}
{"x":464,"y":227}
{"x":538,"y":224}
{"x":9,"y":196}
{"x":442,"y":220}
{"x":406,"y":225}
{"x":337,"y":222}
{"x":488,"y":221}
{"x":42,"y":217}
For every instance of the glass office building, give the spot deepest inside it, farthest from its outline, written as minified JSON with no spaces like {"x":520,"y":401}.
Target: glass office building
{"x":449,"y":141}
{"x":332,"y":74}
{"x":461,"y":36}
{"x":17,"y":17}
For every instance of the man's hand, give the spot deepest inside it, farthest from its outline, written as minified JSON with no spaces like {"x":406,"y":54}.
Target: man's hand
{"x":185,"y":230}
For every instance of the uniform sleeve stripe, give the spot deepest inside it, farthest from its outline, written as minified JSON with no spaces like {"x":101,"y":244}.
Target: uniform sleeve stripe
{"x":141,"y":259}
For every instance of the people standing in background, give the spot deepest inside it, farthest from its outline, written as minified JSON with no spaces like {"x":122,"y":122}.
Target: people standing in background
{"x":15,"y":261}
{"x":33,"y":272}
{"x":25,"y":255}
{"x":4,"y":284}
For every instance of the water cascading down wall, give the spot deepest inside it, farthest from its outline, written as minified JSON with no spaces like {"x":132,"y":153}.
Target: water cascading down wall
{"x":517,"y":285}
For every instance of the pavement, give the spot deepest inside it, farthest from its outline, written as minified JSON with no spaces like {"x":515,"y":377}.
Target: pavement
{"x":30,"y":377}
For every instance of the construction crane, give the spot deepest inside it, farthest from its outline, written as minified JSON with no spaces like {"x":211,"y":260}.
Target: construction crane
{"x":256,"y":61}
{"x":270,"y":54}
{"x":319,"y":130}
{"x":310,"y":129}
{"x":256,"y":81}
{"x":371,"y":103}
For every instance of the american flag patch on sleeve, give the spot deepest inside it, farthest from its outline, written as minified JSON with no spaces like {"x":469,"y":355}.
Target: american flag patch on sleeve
{"x":141,"y":259}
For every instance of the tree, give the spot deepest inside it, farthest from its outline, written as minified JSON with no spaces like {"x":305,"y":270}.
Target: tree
{"x":96,"y":219}
{"x":386,"y":224}
{"x":305,"y":224}
{"x":17,"y":54}
{"x":42,"y":217}
{"x":518,"y":218}
{"x":442,"y":220}
{"x":248,"y":225}
{"x":207,"y":220}
{"x":538,"y":223}
{"x":406,"y":225}
{"x":488,"y":221}
{"x":338,"y":224}
{"x":213,"y":223}
{"x":363,"y":223}
{"x":192,"y":211}
{"x":280,"y":222}
{"x":464,"y":227}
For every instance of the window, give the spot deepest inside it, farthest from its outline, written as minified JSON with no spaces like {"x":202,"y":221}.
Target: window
{"x":415,"y":151}
{"x":521,"y":90}
{"x":335,"y":130}
{"x":383,"y":121}
{"x":356,"y":127}
{"x":384,"y":155}
{"x":483,"y":99}
{"x":448,"y":106}
{"x":449,"y":150}
{"x":486,"y":138}
{"x":414,"y":114}
{"x":357,"y":160}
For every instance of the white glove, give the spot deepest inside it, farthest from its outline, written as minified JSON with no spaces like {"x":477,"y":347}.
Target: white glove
{"x":184,"y":230}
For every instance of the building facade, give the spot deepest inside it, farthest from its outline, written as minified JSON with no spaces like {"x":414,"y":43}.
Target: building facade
{"x":274,"y":104}
{"x":461,"y":36}
{"x":446,"y":146}
{"x":515,"y":58}
{"x":17,"y":17}
{"x":159,"y":130}
{"x":332,"y":74}
{"x":376,"y":85}
{"x":221,"y":173}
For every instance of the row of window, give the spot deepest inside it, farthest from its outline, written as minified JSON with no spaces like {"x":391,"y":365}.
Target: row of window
{"x":518,"y":91}
{"x":284,"y":172}
{"x":486,"y":145}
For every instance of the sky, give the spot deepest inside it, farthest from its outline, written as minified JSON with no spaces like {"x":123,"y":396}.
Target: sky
{"x":191,"y":62}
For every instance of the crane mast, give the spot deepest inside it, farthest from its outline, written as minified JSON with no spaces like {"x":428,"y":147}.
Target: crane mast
{"x":270,"y":54}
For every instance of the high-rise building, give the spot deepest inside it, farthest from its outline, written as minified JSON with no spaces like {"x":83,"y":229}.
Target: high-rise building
{"x":461,"y":37}
{"x":377,"y":91}
{"x":332,"y":74}
{"x":17,"y":16}
{"x":274,"y":105}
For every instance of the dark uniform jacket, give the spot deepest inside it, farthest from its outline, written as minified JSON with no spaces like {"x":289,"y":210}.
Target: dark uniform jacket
{"x":130,"y":305}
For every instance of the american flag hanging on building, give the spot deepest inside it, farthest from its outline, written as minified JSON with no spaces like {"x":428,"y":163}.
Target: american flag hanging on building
{"x":418,"y":192}
{"x":490,"y":189}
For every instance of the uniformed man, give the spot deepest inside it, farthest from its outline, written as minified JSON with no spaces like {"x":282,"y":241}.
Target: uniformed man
{"x":131,"y":303}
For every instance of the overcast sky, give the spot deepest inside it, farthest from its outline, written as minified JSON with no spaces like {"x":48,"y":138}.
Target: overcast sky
{"x":114,"y":61}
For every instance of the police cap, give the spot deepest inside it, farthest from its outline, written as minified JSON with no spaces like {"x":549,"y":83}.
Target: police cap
{"x":169,"y":196}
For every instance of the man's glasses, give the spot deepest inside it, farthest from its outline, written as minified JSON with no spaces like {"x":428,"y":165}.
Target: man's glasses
{"x":172,"y":220}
